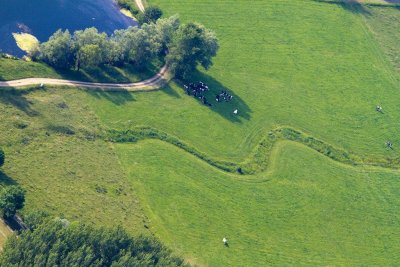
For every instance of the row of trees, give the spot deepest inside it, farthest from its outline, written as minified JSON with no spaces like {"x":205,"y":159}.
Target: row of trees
{"x":187,"y":45}
{"x":89,"y":48}
{"x":56,"y":242}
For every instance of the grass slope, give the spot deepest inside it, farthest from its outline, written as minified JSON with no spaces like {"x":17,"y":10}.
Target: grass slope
{"x":4,"y":233}
{"x":306,"y":65}
{"x":54,"y":149}
{"x":325,"y":76}
{"x":298,"y":213}
{"x":384,"y":23}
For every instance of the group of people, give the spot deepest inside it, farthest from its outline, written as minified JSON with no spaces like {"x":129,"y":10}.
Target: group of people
{"x":223,"y":96}
{"x":197,"y":90}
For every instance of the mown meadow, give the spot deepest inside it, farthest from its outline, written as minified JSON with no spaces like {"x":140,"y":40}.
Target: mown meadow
{"x":312,"y":66}
{"x":318,"y":68}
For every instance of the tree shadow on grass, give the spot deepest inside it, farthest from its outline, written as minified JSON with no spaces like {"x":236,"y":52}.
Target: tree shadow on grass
{"x":349,"y":5}
{"x":170,"y":91}
{"x":6,"y":180}
{"x":225,"y":109}
{"x":116,"y":97}
{"x":18,"y":99}
{"x":109,"y":74}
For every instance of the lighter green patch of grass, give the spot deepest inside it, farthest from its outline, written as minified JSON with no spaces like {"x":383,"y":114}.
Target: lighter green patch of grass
{"x":26,"y":42}
{"x":384,"y":24}
{"x":4,"y":233}
{"x":127,"y":13}
{"x":307,"y":210}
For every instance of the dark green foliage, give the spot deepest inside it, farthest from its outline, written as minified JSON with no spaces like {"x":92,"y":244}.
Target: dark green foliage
{"x":189,"y":45}
{"x":59,"y":243}
{"x":12,"y":198}
{"x":90,"y":48}
{"x":2,"y":157}
{"x":150,"y":15}
{"x":34,"y":219}
{"x":193,"y":44}
{"x":58,"y":51}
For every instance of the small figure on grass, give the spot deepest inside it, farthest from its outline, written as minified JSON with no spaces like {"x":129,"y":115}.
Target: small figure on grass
{"x":379,"y":109}
{"x":225,"y":242}
{"x":389,"y":144}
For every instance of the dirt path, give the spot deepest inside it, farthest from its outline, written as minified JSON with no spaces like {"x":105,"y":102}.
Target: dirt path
{"x":140,"y":5}
{"x":150,"y":84}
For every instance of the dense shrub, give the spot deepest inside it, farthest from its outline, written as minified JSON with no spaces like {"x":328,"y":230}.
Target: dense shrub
{"x":150,"y":15}
{"x":12,"y":198}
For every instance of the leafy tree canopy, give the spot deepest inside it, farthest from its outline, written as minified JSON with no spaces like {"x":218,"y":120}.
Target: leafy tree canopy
{"x":56,"y":242}
{"x":12,"y":198}
{"x":193,"y":44}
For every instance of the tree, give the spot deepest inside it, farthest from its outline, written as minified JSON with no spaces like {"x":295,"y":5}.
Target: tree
{"x":193,"y":45}
{"x":12,"y":198}
{"x":166,"y":29}
{"x":140,"y":46}
{"x":90,"y":47}
{"x":58,"y":50}
{"x":54,"y":243}
{"x":114,"y":52}
{"x":89,"y":56}
{"x":150,"y":15}
{"x":2,"y":157}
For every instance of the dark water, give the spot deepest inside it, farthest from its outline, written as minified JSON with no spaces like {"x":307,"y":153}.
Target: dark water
{"x":41,"y":18}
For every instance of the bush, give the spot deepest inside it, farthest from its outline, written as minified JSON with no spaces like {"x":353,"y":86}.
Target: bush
{"x":150,"y":15}
{"x":12,"y":198}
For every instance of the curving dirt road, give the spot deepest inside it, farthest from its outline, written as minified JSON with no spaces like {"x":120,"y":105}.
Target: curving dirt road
{"x":156,"y":81}
{"x":150,"y":84}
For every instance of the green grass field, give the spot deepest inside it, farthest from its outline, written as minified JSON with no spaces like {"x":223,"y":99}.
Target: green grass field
{"x":311,"y":211}
{"x":55,"y":150}
{"x":311,"y":66}
{"x":319,"y":68}
{"x":325,"y":76}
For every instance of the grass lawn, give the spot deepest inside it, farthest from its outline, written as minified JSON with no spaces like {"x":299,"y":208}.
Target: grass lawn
{"x":311,"y":66}
{"x":325,"y":76}
{"x":307,"y":210}
{"x":383,"y":22}
{"x":55,"y":150}
{"x":317,"y":67}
